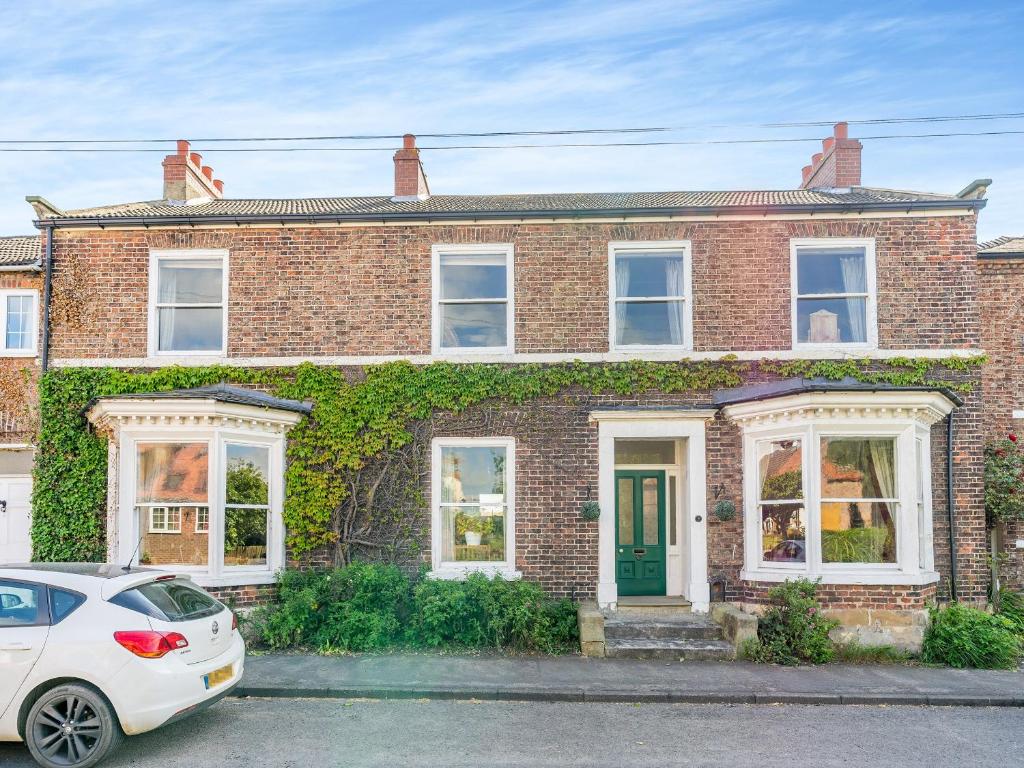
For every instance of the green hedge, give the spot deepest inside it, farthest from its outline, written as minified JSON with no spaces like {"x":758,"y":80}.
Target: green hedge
{"x":793,"y":630}
{"x":366,"y":607}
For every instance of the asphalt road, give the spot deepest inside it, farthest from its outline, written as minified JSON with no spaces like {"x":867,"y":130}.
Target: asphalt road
{"x":306,"y":733}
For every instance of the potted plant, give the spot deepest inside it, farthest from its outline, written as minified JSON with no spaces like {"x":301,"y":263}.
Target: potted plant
{"x":471,"y":529}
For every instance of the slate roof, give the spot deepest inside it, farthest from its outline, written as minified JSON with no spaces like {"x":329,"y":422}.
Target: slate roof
{"x":800,"y":385}
{"x":222,"y":393}
{"x":1007,"y":245}
{"x":569,"y":204}
{"x":19,"y":251}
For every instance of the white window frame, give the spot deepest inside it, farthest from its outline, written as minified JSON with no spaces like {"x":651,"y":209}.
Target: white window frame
{"x":914,"y":565}
{"x":870,"y":298}
{"x":459,"y":569}
{"x":166,"y":527}
{"x":650,"y":246}
{"x":32,"y":294}
{"x":206,"y":528}
{"x":462,"y":249}
{"x":217,"y":438}
{"x":191,"y":254}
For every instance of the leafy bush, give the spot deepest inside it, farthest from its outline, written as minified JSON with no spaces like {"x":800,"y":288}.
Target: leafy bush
{"x":793,"y":630}
{"x":368,"y":607}
{"x":1011,"y":606}
{"x":1004,"y":480}
{"x":357,"y":608}
{"x":961,"y":636}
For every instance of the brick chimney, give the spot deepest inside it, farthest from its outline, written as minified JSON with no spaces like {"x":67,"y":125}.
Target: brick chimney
{"x":186,"y":179}
{"x":838,"y":163}
{"x":410,"y":180}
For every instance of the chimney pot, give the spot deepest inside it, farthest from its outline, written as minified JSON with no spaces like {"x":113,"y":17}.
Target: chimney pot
{"x":182,"y":147}
{"x":219,"y":185}
{"x":806,"y":171}
{"x":816,"y":158}
{"x":208,"y":172}
{"x":841,"y":130}
{"x":826,"y":144}
{"x":409,"y":141}
{"x":196,"y":158}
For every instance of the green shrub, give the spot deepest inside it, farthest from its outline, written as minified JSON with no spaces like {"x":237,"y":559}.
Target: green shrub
{"x":357,"y":608}
{"x":1011,"y":606}
{"x":793,"y":630}
{"x":961,"y":636}
{"x":483,"y":612}
{"x":369,"y":607}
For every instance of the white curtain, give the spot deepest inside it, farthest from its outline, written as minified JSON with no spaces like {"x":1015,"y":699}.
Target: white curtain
{"x":168,"y":291}
{"x":674,"y":286}
{"x":622,"y":265}
{"x":881,"y":453}
{"x":855,"y":281}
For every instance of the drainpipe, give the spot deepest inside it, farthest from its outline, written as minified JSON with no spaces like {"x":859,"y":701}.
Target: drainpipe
{"x":47,"y":283}
{"x":950,"y":508}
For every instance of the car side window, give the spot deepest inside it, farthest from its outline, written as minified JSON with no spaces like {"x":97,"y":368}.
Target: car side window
{"x":21,"y":604}
{"x":63,"y":604}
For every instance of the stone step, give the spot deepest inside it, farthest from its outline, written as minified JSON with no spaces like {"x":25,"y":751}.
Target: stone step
{"x":670,"y":650}
{"x":632,"y":628}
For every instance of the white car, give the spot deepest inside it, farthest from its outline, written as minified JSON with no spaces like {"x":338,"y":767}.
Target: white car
{"x":90,"y":652}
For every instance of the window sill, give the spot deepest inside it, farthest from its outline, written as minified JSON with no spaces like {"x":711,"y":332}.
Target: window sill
{"x":873,"y":577}
{"x":18,"y":353}
{"x":460,"y":572}
{"x":250,"y":578}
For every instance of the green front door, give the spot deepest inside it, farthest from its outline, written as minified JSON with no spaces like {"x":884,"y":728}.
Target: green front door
{"x":640,"y":531}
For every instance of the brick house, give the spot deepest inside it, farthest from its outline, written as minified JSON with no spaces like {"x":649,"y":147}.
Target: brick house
{"x":20,"y":285}
{"x":839,"y":480}
{"x":1000,"y":286}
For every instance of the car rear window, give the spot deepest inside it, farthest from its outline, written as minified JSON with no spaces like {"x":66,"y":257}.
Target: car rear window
{"x":176,"y":600}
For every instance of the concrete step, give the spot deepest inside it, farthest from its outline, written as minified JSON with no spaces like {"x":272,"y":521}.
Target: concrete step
{"x":670,"y":650}
{"x":690,"y":627}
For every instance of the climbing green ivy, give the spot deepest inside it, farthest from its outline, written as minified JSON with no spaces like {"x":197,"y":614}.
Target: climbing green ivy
{"x":358,"y":416}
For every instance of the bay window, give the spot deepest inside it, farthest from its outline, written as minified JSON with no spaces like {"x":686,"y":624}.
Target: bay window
{"x":833,"y":293}
{"x":650,"y":295}
{"x":473,"y":516}
{"x":837,"y":486}
{"x":200,"y":481}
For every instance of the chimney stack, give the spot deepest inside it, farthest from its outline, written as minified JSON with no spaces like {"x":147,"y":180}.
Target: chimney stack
{"x":187,"y":180}
{"x":410,"y":180}
{"x":838,"y":163}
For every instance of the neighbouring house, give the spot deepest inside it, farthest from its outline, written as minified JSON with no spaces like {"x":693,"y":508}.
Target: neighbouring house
{"x":20,"y":285}
{"x":1001,"y":303}
{"x":753,"y":385}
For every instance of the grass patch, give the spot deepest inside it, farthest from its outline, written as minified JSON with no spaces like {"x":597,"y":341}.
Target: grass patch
{"x":857,"y":653}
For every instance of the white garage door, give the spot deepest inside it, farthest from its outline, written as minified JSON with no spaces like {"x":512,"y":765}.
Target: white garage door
{"x":15,"y":506}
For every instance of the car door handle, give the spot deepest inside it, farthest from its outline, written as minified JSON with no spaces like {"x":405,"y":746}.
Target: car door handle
{"x":15,"y":647}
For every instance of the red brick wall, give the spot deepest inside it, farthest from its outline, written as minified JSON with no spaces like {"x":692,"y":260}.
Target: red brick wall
{"x":18,"y":376}
{"x":1001,"y":305}
{"x":366,"y":290}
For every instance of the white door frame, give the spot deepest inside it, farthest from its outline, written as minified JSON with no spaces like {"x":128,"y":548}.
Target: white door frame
{"x":675,"y":423}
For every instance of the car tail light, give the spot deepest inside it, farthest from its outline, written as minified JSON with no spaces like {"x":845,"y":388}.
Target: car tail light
{"x":234,"y":622}
{"x":151,"y":645}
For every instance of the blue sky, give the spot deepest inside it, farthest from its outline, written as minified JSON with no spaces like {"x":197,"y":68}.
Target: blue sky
{"x":106,"y":69}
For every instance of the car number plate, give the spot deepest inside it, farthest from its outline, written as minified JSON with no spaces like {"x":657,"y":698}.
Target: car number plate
{"x":218,"y":676}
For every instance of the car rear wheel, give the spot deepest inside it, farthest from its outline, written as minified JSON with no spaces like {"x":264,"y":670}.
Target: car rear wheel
{"x":72,"y":725}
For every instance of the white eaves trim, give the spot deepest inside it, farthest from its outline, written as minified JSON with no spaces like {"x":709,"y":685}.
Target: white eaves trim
{"x":515,"y":357}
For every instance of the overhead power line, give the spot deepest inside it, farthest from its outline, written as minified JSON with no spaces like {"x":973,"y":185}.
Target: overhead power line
{"x":689,"y":142}
{"x":561,"y":132}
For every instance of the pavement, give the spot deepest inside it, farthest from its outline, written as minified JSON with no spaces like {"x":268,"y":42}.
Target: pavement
{"x":310,"y":733}
{"x":576,"y":679}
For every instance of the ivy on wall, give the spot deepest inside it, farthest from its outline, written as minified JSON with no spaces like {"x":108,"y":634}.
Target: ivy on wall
{"x":358,"y":417}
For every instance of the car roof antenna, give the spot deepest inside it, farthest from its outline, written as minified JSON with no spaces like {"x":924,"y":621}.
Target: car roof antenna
{"x":128,"y":568}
